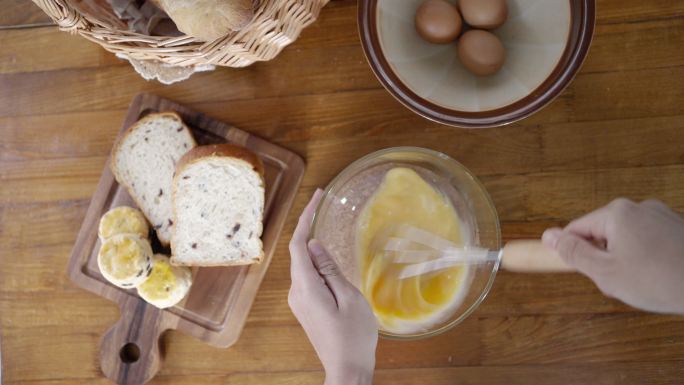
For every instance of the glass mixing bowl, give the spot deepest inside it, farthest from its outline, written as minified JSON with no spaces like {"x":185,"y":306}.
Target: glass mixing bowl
{"x":345,"y":196}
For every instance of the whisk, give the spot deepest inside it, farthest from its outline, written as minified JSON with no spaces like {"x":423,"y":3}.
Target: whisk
{"x":423,"y":252}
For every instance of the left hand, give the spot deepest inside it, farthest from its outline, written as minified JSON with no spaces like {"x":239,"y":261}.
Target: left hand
{"x":334,"y":314}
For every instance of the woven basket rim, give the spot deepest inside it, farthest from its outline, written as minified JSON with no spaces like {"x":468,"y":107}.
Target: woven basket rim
{"x":276,"y":24}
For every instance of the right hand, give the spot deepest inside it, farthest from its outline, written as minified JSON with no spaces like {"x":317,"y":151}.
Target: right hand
{"x":642,"y":263}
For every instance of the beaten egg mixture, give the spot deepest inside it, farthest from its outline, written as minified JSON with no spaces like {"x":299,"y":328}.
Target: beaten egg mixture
{"x":413,"y":304}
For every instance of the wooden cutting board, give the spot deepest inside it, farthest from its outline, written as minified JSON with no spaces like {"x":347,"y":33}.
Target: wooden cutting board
{"x":216,"y":308}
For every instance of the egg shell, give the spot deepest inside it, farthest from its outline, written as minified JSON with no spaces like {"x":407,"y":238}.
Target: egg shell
{"x":487,"y":14}
{"x":438,"y":21}
{"x":481,"y":52}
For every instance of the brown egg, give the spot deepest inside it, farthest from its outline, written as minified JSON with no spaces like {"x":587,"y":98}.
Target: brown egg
{"x":438,"y":21}
{"x":481,"y":52}
{"x":487,"y":14}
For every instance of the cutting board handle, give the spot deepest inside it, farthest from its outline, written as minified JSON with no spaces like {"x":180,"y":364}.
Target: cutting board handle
{"x":129,"y":351}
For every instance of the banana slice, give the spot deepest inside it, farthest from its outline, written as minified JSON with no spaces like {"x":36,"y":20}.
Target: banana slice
{"x":125,"y":260}
{"x":167,"y":285}
{"x":122,"y":220}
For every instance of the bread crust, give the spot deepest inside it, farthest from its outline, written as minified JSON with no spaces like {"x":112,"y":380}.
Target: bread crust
{"x":221,"y":150}
{"x":122,"y":138}
{"x":191,"y":18}
{"x":256,"y":261}
{"x":210,"y":151}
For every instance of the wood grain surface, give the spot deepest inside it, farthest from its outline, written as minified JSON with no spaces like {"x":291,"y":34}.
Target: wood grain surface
{"x":618,"y":130}
{"x":20,"y":13}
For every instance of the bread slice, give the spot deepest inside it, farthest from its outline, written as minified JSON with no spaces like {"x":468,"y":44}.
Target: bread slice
{"x":144,"y":161}
{"x":218,"y":203}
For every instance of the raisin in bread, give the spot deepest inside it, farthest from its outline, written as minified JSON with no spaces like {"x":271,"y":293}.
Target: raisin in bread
{"x":218,"y":203}
{"x":144,"y":161}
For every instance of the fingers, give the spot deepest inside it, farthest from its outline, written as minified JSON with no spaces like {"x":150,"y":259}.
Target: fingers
{"x":301,"y":267}
{"x":308,"y":288}
{"x":328,"y":269}
{"x":659,"y":206}
{"x":577,"y":252}
{"x":593,"y":225}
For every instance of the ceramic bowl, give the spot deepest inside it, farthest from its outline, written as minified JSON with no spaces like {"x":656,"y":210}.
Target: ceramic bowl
{"x":546,"y":42}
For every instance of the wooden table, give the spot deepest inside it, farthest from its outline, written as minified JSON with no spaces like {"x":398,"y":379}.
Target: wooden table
{"x":618,"y":130}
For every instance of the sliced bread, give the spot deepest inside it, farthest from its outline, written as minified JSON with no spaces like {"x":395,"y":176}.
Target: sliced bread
{"x":218,"y":203}
{"x":144,"y":161}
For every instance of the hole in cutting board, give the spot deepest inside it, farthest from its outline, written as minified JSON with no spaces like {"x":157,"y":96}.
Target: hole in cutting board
{"x":129,"y":353}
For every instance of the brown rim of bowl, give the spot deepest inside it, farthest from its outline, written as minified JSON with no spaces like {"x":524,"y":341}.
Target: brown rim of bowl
{"x":582,"y":16}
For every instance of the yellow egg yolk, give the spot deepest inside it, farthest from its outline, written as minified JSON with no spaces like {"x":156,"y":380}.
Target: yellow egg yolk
{"x":161,"y":281}
{"x":405,"y":198}
{"x":123,"y":258}
{"x":123,"y":220}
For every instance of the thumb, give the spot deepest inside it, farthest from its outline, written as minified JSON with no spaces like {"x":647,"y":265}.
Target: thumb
{"x":577,"y":251}
{"x":328,"y":270}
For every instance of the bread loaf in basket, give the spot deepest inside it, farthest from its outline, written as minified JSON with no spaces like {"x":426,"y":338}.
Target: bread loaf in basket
{"x":274,"y":25}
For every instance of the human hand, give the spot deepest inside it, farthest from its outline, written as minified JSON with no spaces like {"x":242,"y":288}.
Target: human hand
{"x":334,"y":314}
{"x":642,"y":263}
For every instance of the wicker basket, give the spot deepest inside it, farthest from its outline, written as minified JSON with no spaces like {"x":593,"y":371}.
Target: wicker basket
{"x":276,"y":24}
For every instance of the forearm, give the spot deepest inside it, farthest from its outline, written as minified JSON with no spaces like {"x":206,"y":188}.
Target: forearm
{"x":349,"y":377}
